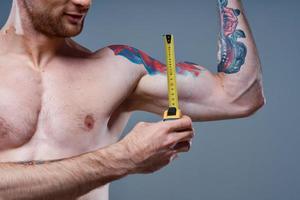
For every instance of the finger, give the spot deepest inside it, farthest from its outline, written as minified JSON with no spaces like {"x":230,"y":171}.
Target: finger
{"x":188,"y":137}
{"x":183,"y":146}
{"x":184,"y":123}
{"x":177,"y":137}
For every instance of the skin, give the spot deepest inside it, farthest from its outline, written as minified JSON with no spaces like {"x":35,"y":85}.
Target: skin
{"x":63,"y":107}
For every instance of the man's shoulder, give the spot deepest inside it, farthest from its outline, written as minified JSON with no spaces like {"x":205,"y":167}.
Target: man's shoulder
{"x":114,"y":50}
{"x":123,"y":54}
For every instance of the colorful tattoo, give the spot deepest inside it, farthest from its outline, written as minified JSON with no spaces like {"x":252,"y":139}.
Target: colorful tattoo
{"x":153,"y":66}
{"x":187,"y":67}
{"x":233,"y":52}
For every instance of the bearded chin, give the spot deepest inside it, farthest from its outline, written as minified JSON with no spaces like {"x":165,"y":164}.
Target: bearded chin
{"x":62,"y":30}
{"x":56,"y":27}
{"x":49,"y":22}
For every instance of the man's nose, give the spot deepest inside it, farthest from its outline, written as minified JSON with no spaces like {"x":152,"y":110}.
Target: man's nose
{"x":82,"y":3}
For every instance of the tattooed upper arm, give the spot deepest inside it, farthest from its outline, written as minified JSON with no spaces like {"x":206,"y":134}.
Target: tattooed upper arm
{"x":209,"y":96}
{"x":150,"y":94}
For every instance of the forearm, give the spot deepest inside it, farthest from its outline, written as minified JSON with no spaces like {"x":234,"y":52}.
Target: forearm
{"x":238,"y":56}
{"x":61,"y":179}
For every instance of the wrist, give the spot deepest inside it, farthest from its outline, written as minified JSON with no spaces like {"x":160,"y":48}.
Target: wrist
{"x":115,"y":159}
{"x":122,"y":157}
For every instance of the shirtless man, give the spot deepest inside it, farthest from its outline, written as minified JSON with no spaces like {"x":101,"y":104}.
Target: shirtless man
{"x":63,"y":107}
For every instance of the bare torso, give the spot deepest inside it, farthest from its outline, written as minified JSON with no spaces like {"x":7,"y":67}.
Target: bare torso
{"x":76,"y":104}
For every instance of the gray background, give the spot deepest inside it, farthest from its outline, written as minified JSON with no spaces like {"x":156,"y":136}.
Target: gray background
{"x":253,"y":158}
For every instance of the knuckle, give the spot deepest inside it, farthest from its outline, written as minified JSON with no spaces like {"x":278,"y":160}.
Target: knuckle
{"x":174,"y":139}
{"x":188,"y":120}
{"x":189,"y":123}
{"x":182,"y":123}
{"x":188,"y":135}
{"x":185,"y":123}
{"x":169,"y":141}
{"x":165,"y":128}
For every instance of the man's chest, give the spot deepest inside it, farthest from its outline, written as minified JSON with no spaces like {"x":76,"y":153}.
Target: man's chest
{"x":73,"y":104}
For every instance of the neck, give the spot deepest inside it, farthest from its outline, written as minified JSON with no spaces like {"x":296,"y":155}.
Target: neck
{"x":19,"y":36}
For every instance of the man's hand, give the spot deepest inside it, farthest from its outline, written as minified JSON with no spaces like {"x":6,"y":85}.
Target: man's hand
{"x":151,"y":146}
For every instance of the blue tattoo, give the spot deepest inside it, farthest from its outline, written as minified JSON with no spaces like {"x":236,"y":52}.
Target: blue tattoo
{"x":233,"y":52}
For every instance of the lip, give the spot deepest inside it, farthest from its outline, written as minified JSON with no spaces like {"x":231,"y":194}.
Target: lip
{"x":75,"y":14}
{"x":74,"y":18}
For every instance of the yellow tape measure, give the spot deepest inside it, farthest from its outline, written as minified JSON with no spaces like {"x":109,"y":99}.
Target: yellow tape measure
{"x":173,"y":111}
